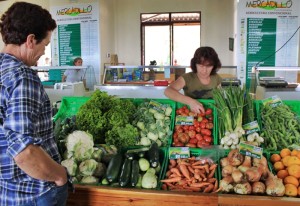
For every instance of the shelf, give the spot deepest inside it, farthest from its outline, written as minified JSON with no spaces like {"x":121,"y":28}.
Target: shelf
{"x":98,"y":195}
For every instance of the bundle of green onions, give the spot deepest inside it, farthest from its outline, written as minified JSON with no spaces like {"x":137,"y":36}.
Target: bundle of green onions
{"x":232,"y":102}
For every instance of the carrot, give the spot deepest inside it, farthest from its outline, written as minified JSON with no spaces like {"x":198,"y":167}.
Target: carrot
{"x":212,"y":172}
{"x":174,"y":179}
{"x":182,"y":190}
{"x":183,"y":169}
{"x":168,"y":173}
{"x":209,"y":188}
{"x":200,"y":184}
{"x":199,"y":162}
{"x":173,"y":163}
{"x":191,"y":170}
{"x":194,"y":189}
{"x":216,"y":186}
{"x":212,"y":180}
{"x":175,"y":171}
{"x":213,"y":166}
{"x":164,"y":187}
{"x":197,"y":176}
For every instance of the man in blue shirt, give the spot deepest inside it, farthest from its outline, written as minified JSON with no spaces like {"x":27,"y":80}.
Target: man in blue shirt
{"x":30,"y":170}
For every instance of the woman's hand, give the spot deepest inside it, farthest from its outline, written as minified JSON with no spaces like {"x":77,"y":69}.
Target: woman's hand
{"x":196,"y":107}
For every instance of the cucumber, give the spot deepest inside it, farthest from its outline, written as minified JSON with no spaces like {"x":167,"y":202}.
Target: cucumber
{"x":153,"y":155}
{"x":114,"y":168}
{"x":125,"y":173}
{"x":135,"y":169}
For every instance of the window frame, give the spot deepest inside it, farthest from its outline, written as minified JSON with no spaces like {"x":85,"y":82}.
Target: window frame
{"x":169,"y":22}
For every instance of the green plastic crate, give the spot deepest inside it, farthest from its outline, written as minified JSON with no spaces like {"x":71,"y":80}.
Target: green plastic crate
{"x":171,"y":103}
{"x":69,"y":106}
{"x":207,"y":103}
{"x":225,"y":153}
{"x":293,"y":104}
{"x":211,"y":153}
{"x":162,"y":157}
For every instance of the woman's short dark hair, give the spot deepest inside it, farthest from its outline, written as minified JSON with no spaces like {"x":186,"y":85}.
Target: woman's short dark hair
{"x":23,"y":19}
{"x":206,"y":55}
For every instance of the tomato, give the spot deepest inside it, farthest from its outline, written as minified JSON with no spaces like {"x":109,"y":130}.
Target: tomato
{"x":186,"y":127}
{"x":186,"y":111}
{"x":177,"y":127}
{"x":196,"y":123}
{"x":183,"y":138}
{"x":209,"y":125}
{"x":192,"y":133}
{"x":199,"y":118}
{"x":204,"y":120}
{"x":206,"y":132}
{"x":175,"y":140}
{"x":175,"y":135}
{"x":193,"y":114}
{"x":180,"y":130}
{"x":198,"y":129}
{"x":191,"y":145}
{"x":202,"y":125}
{"x":179,"y":144}
{"x":200,"y":143}
{"x":199,"y":137}
{"x":208,"y":111}
{"x":191,"y":127}
{"x":207,"y":138}
{"x":193,"y":141}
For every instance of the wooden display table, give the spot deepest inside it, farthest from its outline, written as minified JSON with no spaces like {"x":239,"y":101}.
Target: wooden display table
{"x":109,"y":196}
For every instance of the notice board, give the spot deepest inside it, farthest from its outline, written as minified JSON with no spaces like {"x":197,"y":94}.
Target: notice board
{"x":267,"y":36}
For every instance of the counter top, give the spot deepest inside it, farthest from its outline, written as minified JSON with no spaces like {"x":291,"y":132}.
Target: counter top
{"x":109,"y":196}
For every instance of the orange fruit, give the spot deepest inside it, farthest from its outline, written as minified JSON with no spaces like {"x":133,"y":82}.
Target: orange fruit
{"x":298,"y":191}
{"x":275,"y":158}
{"x":291,"y":180}
{"x":278,"y":166}
{"x":291,"y":190}
{"x":285,"y":160}
{"x":285,"y":152}
{"x":298,"y":155}
{"x":294,"y":152}
{"x":282,"y":174}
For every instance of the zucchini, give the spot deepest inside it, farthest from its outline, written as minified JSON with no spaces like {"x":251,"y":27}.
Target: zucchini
{"x":135,"y":169}
{"x":125,"y":173}
{"x":153,"y":155}
{"x":114,"y":168}
{"x":131,"y":154}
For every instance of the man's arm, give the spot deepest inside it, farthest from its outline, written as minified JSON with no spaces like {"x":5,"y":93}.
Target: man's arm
{"x":35,"y":162}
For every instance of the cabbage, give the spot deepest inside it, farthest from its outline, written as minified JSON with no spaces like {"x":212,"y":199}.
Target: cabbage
{"x":71,"y":166}
{"x":82,"y":153}
{"x":89,"y":180}
{"x":87,"y":167}
{"x":97,"y":154}
{"x":149,"y":179}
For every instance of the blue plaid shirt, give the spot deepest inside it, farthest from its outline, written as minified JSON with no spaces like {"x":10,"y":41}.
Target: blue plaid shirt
{"x":25,"y":118}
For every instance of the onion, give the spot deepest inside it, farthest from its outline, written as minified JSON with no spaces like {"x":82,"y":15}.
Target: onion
{"x":258,"y":188}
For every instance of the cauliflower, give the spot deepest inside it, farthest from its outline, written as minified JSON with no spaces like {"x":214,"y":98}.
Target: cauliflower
{"x":88,"y":167}
{"x":71,"y":166}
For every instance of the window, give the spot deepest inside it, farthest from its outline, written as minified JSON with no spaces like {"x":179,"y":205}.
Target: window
{"x":169,"y":38}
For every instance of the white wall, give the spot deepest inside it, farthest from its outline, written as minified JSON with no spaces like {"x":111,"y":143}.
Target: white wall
{"x":120,"y":24}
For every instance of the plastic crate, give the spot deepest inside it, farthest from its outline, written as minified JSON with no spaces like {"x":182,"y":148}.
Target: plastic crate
{"x":171,"y":103}
{"x":207,"y":103}
{"x":211,"y":153}
{"x":163,"y":151}
{"x":293,"y":104}
{"x":69,"y":106}
{"x":225,"y":153}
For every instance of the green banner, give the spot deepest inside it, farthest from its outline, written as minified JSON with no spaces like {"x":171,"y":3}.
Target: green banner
{"x":69,"y":43}
{"x":261,"y":45}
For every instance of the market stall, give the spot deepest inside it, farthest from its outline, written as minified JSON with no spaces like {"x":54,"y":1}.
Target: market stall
{"x":95,"y":190}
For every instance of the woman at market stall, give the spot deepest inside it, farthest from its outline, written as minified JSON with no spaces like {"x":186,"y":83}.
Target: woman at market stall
{"x":30,"y":169}
{"x":74,"y":75}
{"x":199,"y":83}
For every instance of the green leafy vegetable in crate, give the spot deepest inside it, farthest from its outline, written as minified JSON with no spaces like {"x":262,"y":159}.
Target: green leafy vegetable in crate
{"x":153,"y":123}
{"x":281,"y":128}
{"x":108,"y":119}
